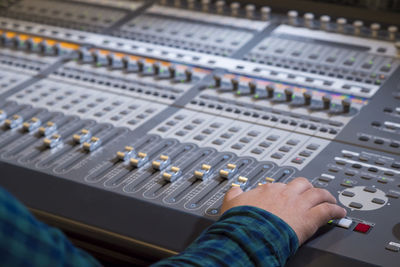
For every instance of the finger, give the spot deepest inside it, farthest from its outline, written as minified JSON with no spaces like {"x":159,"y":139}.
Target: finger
{"x":232,"y":193}
{"x":315,"y":196}
{"x":323,"y":213}
{"x":298,"y":185}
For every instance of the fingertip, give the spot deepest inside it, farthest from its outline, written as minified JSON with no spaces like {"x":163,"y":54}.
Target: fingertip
{"x":233,"y":192}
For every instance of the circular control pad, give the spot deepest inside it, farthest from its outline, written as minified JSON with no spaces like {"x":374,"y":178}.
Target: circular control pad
{"x":363,"y":198}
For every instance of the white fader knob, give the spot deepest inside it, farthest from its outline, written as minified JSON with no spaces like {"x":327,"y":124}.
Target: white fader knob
{"x":324,"y":21}
{"x":265,"y":13}
{"x":392,"y":30}
{"x":308,"y":20}
{"x":250,"y":11}
{"x":292,"y":17}
{"x":341,"y":23}
{"x":205,"y":4}
{"x":235,"y":9}
{"x":190,"y":4}
{"x":220,"y":6}
{"x":357,"y":25}
{"x":375,"y":27}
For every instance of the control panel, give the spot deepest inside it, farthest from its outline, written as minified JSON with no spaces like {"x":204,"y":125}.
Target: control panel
{"x":134,"y":118}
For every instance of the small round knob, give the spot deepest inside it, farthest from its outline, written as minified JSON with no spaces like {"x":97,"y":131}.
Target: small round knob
{"x":341,"y":23}
{"x":172,"y":71}
{"x":140,"y":65}
{"x":357,"y":25}
{"x":324,"y":21}
{"x":292,"y":17}
{"x":217,"y":81}
{"x":190,"y":4}
{"x":392,"y":31}
{"x":205,"y":5}
{"x":346,"y":104}
{"x":235,"y":9}
{"x":156,"y":68}
{"x":250,"y":11}
{"x":375,"y":27}
{"x":188,"y":75}
{"x":307,"y":98}
{"x":265,"y":13}
{"x":326,"y":99}
{"x":288,"y":94}
{"x":309,"y":20}
{"x":220,"y":5}
{"x":252,"y":87}
{"x":270,"y":91}
{"x":235,"y":84}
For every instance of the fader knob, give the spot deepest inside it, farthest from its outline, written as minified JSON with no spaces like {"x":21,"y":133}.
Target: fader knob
{"x":392,"y":31}
{"x":270,"y":91}
{"x":326,"y":100}
{"x":288,"y":94}
{"x":205,"y":4}
{"x":307,"y":98}
{"x":346,"y":104}
{"x":252,"y":87}
{"x":292,"y":17}
{"x":126,"y":61}
{"x":30,"y":44}
{"x":190,"y":4}
{"x":217,"y":81}
{"x":341,"y":23}
{"x":235,"y":84}
{"x":140,"y":65}
{"x":324,"y":21}
{"x":309,"y":20}
{"x":235,"y":9}
{"x":375,"y":27}
{"x":220,"y":6}
{"x":265,"y":13}
{"x":250,"y":11}
{"x":188,"y":75}
{"x":156,"y":68}
{"x":172,"y":71}
{"x":43,"y":47}
{"x":357,"y":25}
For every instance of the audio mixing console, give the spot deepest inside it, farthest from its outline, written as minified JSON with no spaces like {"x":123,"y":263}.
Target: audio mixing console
{"x":125,"y":122}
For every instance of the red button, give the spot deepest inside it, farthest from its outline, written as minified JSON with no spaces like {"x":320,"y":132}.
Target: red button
{"x":362,"y":228}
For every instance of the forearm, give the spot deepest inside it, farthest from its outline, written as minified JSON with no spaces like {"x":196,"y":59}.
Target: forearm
{"x":243,"y":236}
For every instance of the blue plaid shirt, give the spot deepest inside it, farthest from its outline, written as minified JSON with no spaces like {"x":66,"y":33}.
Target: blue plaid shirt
{"x":243,"y":236}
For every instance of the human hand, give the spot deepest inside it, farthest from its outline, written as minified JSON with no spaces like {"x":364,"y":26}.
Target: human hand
{"x":302,"y":206}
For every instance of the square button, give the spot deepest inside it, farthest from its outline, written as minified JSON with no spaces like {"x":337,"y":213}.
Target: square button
{"x":181,"y":133}
{"x":234,"y":129}
{"x":362,"y":228}
{"x":218,"y":142}
{"x":237,"y":146}
{"x":284,"y":149}
{"x":356,"y":205}
{"x":257,"y":151}
{"x":197,"y":121}
{"x":226,"y":135}
{"x":253,"y":133}
{"x":292,"y":142}
{"x":344,"y":223}
{"x":312,"y":147}
{"x":199,"y":137}
{"x":265,"y":144}
{"x":215,"y":125}
{"x":277,"y":155}
{"x":189,"y":127}
{"x":207,"y":131}
{"x":171,"y":123}
{"x":305,"y":153}
{"x":245,"y":140}
{"x":273,"y":137}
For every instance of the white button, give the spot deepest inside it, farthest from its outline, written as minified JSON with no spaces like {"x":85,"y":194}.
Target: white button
{"x":345,"y":223}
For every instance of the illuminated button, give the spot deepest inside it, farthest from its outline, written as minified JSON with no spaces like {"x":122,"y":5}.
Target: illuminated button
{"x":356,"y":205}
{"x":269,"y":179}
{"x":362,"y":228}
{"x":161,"y":163}
{"x":52,"y":141}
{"x":298,"y":160}
{"x":383,"y":180}
{"x":203,"y":173}
{"x":228,"y":172}
{"x":3,"y":115}
{"x":392,"y":246}
{"x":326,"y":178}
{"x":344,"y":223}
{"x":139,"y":160}
{"x":14,"y":121}
{"x":127,"y":154}
{"x":348,"y":183}
{"x":49,"y":128}
{"x":32,"y":125}
{"x":172,"y":174}
{"x":83,"y":136}
{"x":92,"y":144}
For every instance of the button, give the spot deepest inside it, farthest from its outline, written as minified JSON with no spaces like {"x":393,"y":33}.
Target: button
{"x":344,"y":223}
{"x":372,"y":169}
{"x":392,"y":247}
{"x":245,"y":140}
{"x":189,"y":127}
{"x":292,"y":142}
{"x":277,"y":155}
{"x":383,"y":180}
{"x":298,"y":160}
{"x":366,"y":177}
{"x":334,"y":169}
{"x":370,"y":189}
{"x":226,"y":135}
{"x":199,"y":137}
{"x":216,"y":125}
{"x":218,"y":142}
{"x":348,"y":194}
{"x":378,"y":201}
{"x":171,"y":123}
{"x":305,"y":153}
{"x":347,"y":183}
{"x":273,"y":137}
{"x":253,"y":133}
{"x":234,"y":129}
{"x":350,"y":173}
{"x":356,"y":205}
{"x":197,"y":121}
{"x":207,"y":131}
{"x":265,"y":144}
{"x":362,"y":228}
{"x":326,"y":177}
{"x":181,"y":133}
{"x":257,"y":151}
{"x":356,"y":166}
{"x":362,"y":158}
{"x":393,"y":194}
{"x":363,"y":138}
{"x":312,"y":147}
{"x":284,"y":149}
{"x":379,"y":141}
{"x":237,"y":146}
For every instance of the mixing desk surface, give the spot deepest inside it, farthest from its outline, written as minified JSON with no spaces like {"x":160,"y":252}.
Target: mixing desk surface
{"x":125,"y":122}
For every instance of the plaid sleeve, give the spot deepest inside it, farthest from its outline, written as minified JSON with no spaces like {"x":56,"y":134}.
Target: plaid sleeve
{"x":24,"y":241}
{"x":243,"y":236}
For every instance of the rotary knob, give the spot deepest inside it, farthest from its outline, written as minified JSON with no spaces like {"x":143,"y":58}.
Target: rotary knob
{"x":265,"y":13}
{"x":309,"y":20}
{"x":392,"y":31}
{"x":177,"y":3}
{"x":341,"y":23}
{"x":235,"y":9}
{"x":220,"y":5}
{"x":375,"y":27}
{"x":205,"y":5}
{"x":324,"y":22}
{"x":292,"y":17}
{"x":156,"y":68}
{"x":190,"y":4}
{"x":250,"y":11}
{"x":357,"y":25}
{"x":140,"y":65}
